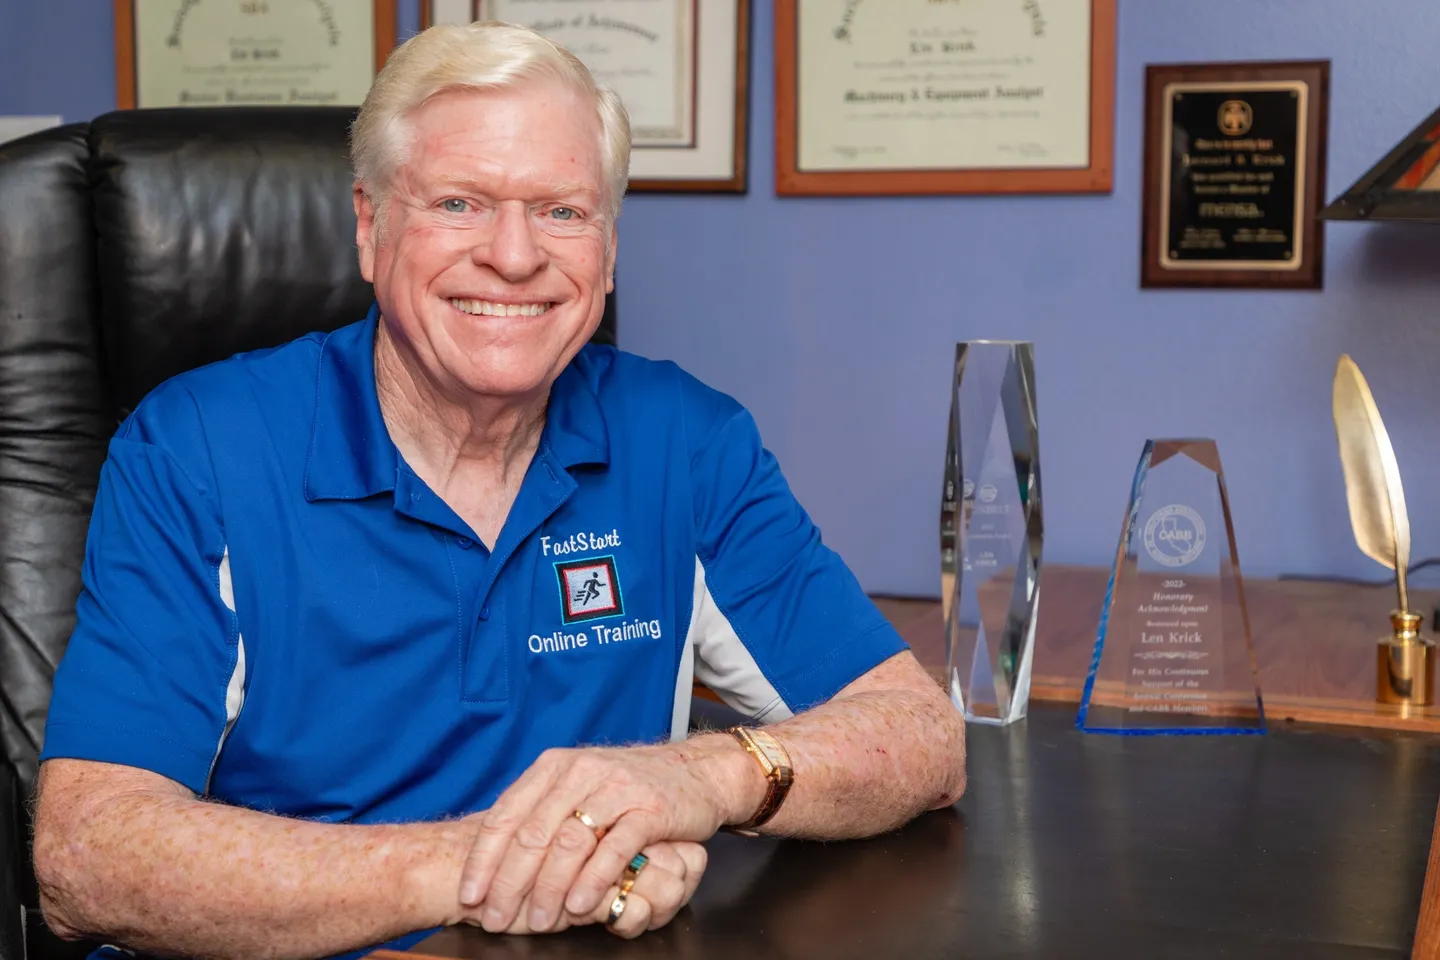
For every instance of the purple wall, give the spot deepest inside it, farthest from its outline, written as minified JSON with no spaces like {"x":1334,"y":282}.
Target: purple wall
{"x":834,"y":320}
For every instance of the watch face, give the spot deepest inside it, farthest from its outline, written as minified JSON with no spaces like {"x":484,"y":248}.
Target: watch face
{"x":772,"y":750}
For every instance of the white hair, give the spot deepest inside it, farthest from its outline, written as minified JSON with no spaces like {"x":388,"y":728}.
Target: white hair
{"x":480,"y":56}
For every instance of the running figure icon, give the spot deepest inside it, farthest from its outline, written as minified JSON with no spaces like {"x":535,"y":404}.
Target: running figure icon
{"x":589,"y":590}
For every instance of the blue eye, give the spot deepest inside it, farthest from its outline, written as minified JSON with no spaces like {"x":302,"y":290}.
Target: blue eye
{"x":563,"y":213}
{"x":455,"y":205}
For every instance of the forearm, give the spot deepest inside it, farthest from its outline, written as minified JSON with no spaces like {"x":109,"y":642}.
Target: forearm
{"x":173,"y":875}
{"x":865,"y":762}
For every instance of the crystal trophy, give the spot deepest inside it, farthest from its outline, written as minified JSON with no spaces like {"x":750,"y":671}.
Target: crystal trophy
{"x":990,"y":531}
{"x":1173,"y":654}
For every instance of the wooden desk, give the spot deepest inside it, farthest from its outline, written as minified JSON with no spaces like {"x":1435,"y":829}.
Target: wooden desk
{"x":1427,"y":927}
{"x":1304,"y":843}
{"x":1314,"y":644}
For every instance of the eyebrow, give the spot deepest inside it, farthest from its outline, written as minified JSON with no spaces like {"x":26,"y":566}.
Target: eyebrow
{"x":568,"y":188}
{"x":557,"y":189}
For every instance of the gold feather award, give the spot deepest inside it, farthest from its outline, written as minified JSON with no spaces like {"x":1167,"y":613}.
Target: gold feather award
{"x":1405,"y":660}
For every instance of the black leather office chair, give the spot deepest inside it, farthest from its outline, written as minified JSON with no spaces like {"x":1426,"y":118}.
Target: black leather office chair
{"x":132,"y":248}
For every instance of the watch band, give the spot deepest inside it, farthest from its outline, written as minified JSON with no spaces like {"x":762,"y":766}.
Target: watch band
{"x":775,"y":763}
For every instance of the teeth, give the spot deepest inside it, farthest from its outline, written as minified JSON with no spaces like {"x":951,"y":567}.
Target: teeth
{"x":489,"y":308}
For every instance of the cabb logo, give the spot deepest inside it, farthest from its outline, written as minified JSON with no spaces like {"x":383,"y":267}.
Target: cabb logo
{"x":1175,"y":535}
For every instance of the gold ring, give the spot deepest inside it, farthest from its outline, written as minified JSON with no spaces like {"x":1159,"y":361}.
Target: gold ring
{"x":627,"y":883}
{"x":584,"y":818}
{"x":632,"y":872}
{"x":617,"y":907}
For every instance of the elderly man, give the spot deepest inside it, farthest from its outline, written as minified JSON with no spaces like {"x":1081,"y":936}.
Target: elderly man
{"x":395,"y":627}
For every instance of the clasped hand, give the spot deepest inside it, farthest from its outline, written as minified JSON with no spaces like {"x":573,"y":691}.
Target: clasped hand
{"x":535,"y":867}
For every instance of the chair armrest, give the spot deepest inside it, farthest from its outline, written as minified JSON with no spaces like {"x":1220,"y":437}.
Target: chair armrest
{"x":12,"y":926}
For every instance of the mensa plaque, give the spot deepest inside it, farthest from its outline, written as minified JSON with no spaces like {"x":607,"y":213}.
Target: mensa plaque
{"x":1234,"y":170}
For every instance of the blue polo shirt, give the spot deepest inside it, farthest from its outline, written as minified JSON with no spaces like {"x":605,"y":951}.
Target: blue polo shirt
{"x":278,"y":612}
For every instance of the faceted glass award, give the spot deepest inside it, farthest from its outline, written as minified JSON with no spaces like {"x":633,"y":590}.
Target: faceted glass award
{"x":990,"y":530}
{"x":1173,"y":653}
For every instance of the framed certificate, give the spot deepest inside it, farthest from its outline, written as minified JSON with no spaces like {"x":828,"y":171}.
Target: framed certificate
{"x":681,"y":67}
{"x":943,"y":96}
{"x":203,"y":53}
{"x":1234,"y":169}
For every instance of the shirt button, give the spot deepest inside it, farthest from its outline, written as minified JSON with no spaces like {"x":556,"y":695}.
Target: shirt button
{"x":485,"y":612}
{"x":465,"y":542}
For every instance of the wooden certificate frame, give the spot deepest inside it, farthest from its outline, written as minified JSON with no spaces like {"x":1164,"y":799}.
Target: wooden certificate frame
{"x":1095,"y":176}
{"x":444,"y":11}
{"x":1236,"y":207}
{"x":126,"y":45}
{"x":717,"y":160}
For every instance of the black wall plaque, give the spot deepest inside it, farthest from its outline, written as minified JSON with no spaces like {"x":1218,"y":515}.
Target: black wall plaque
{"x":1234,"y":170}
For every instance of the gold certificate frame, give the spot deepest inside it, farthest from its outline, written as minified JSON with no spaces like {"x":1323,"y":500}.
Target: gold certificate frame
{"x":682,"y":67}
{"x":172,"y":53}
{"x":889,"y":97}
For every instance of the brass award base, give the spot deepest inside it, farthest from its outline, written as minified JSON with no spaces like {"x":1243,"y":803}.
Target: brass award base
{"x":1405,"y":663}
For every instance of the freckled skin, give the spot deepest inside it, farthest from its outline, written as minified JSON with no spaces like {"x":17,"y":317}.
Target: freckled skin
{"x":843,"y":788}
{"x":128,"y":856}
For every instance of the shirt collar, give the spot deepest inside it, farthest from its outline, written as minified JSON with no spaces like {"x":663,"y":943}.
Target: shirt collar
{"x":575,"y":430}
{"x":351,"y":453}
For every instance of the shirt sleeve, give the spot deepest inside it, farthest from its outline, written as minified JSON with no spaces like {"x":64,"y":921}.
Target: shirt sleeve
{"x":154,"y":669}
{"x":779,"y":622}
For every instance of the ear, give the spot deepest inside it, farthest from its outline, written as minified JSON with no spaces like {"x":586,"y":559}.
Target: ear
{"x":365,"y":232}
{"x":610,"y":260}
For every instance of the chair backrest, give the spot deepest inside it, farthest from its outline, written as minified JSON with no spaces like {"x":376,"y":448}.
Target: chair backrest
{"x":132,"y":248}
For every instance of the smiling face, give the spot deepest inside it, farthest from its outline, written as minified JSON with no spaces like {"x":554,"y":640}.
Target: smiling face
{"x":493,"y":267}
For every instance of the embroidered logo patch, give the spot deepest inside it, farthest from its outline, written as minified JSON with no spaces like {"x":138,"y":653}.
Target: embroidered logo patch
{"x":589,"y":589}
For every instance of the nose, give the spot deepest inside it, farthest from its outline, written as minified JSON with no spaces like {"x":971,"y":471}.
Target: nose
{"x":511,"y":249}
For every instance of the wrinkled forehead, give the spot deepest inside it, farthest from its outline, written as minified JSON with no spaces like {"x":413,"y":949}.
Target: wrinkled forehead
{"x":537,"y":136}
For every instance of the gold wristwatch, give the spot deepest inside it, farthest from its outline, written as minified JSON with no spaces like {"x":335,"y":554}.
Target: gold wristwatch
{"x":775,"y":762}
